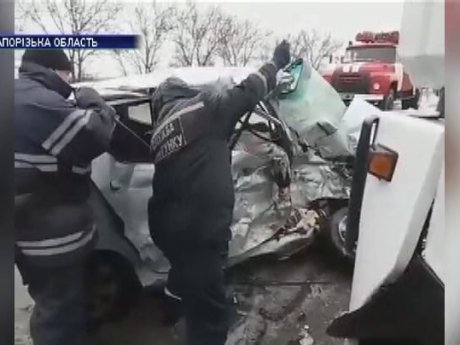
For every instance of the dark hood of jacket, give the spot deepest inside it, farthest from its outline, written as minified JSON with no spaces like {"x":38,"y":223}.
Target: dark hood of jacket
{"x":46,"y":77}
{"x":169,"y":91}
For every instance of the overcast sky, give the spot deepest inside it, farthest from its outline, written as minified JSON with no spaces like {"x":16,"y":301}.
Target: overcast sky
{"x":343,"y":19}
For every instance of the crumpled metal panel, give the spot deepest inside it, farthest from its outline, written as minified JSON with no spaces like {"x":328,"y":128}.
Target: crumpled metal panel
{"x":258,"y":212}
{"x":314,"y":178}
{"x":274,"y":235}
{"x":254,"y":212}
{"x":260,"y":217}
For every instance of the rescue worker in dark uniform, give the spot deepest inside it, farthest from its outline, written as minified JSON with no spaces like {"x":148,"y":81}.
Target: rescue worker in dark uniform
{"x":55,"y":142}
{"x":191,"y":209}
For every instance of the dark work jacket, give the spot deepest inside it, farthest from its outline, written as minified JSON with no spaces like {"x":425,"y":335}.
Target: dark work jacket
{"x":193,"y":193}
{"x":54,"y":144}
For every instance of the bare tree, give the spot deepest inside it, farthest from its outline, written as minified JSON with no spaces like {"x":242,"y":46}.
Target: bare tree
{"x":19,"y":20}
{"x":239,"y":41}
{"x":196,"y":35}
{"x":120,"y":57}
{"x":152,"y":24}
{"x":314,"y":47}
{"x":72,"y":17}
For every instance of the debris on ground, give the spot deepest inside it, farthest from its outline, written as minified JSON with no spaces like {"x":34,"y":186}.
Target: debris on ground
{"x":305,"y":337}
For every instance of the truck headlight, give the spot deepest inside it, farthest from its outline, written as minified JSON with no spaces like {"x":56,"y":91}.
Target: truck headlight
{"x":376,"y":86}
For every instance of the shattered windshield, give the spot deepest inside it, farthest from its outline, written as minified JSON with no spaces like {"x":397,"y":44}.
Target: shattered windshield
{"x":384,"y":54}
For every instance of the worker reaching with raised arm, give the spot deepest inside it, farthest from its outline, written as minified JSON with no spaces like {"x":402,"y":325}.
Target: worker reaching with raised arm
{"x":191,"y":209}
{"x":55,"y":142}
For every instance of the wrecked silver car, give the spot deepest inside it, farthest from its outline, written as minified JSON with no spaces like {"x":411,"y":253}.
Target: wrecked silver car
{"x":284,"y":135}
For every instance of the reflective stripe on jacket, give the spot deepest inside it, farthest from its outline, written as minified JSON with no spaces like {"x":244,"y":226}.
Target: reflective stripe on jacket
{"x":55,"y":142}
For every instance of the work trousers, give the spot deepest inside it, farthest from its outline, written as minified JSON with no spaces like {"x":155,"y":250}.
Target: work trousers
{"x":60,"y":312}
{"x":198,"y":279}
{"x":197,"y":255}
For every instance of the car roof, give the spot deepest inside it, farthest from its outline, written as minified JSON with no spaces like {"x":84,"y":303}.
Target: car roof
{"x":143,"y":82}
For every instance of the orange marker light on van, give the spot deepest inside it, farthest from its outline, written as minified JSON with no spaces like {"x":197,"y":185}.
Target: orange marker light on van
{"x":382,"y":162}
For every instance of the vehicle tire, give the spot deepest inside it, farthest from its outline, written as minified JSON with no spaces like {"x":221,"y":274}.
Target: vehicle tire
{"x":411,"y":102}
{"x":337,"y":228}
{"x":112,"y":287}
{"x":388,"y":101}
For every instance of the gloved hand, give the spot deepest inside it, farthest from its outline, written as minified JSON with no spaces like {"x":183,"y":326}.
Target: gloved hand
{"x":284,"y":79}
{"x":282,"y":54}
{"x":87,"y":97}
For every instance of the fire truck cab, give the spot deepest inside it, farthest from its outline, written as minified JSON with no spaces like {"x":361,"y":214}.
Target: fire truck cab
{"x":371,"y":70}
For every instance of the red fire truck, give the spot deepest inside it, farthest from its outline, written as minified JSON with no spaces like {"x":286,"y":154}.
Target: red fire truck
{"x":371,"y":70}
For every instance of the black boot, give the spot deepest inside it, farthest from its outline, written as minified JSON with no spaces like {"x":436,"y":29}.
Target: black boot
{"x":172,"y":310}
{"x":171,"y":307}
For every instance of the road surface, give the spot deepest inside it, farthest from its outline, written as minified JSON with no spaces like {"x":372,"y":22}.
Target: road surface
{"x":287,"y":302}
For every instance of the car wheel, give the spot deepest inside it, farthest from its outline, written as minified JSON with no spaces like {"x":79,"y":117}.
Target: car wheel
{"x":388,"y":101}
{"x":112,"y":287}
{"x":411,"y":102}
{"x":337,"y":232}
